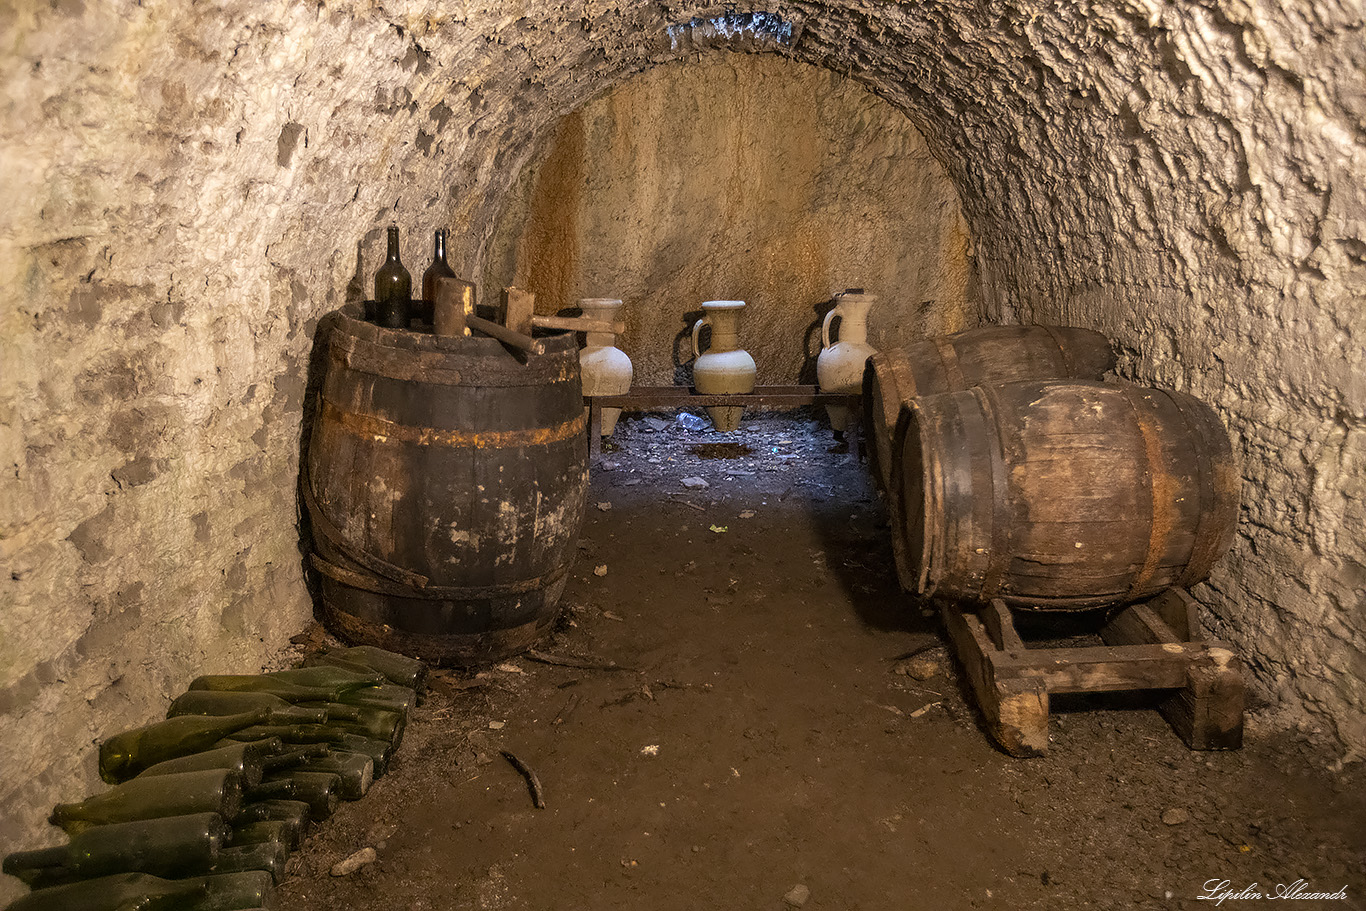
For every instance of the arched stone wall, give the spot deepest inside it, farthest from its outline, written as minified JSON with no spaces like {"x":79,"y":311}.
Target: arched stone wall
{"x":738,"y":177}
{"x":186,"y":187}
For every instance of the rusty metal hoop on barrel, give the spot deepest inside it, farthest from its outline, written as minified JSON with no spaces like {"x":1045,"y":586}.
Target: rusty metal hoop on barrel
{"x":1063,"y":495}
{"x":986,"y":356}
{"x":445,"y":483}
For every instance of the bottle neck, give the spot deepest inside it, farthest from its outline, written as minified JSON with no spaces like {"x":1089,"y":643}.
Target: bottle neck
{"x":393,"y":245}
{"x":439,"y":250}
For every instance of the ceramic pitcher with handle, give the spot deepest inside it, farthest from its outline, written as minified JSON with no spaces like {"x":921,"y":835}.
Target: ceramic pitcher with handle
{"x":725,"y":368}
{"x":839,"y":368}
{"x":606,"y":369}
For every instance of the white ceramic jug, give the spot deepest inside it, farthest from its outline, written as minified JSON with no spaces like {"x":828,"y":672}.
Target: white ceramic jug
{"x":725,"y":368}
{"x":839,"y":368}
{"x":606,"y":369}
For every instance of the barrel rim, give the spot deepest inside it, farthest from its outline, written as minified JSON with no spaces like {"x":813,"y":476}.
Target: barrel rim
{"x":351,"y":320}
{"x":913,"y":489}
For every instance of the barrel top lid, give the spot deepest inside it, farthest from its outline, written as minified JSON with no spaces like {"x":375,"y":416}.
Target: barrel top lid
{"x":350,"y":320}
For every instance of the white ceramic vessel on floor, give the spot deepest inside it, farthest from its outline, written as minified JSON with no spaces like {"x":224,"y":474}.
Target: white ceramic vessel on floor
{"x":726,"y":369}
{"x":606,"y":368}
{"x":839,"y":368}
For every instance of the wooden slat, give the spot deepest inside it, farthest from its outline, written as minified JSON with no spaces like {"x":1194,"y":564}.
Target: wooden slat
{"x":683,"y":396}
{"x":1207,"y":713}
{"x":1137,"y":624}
{"x":1177,"y":610}
{"x":1015,"y":707}
{"x":1000,"y":626}
{"x":1105,"y":668}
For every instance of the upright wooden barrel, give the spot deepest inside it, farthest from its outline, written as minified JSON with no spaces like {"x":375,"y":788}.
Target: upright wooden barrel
{"x":445,"y":482}
{"x":987,"y":356}
{"x":1063,"y":495}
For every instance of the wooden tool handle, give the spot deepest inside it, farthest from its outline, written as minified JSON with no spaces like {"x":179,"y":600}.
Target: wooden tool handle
{"x":506,"y":335}
{"x":579,"y":324}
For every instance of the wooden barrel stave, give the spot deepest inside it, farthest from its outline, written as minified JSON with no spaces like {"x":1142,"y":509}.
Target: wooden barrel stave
{"x":453,"y":476}
{"x":985,"y":356}
{"x":1063,"y":495}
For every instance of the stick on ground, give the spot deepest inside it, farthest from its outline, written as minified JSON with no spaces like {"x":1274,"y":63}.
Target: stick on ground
{"x":586,"y":664}
{"x":532,"y":781}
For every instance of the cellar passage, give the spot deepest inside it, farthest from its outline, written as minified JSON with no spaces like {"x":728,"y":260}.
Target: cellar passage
{"x":191,"y":188}
{"x":763,"y":735}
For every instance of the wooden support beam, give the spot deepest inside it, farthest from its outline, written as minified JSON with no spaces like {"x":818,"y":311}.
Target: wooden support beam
{"x":1015,"y":708}
{"x":1001,"y":626}
{"x":1207,"y":710}
{"x":594,"y":428}
{"x":1207,"y":713}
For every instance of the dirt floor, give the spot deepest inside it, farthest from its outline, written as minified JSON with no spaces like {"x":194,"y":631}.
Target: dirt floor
{"x":759,"y":749}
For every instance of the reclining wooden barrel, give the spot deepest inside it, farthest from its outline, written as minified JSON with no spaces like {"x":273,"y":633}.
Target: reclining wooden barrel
{"x":1063,"y":495}
{"x":986,"y":356}
{"x":445,"y":484}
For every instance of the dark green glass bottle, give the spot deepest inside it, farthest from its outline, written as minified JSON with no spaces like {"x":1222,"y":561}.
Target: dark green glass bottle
{"x":209,"y":702}
{"x":376,"y":724}
{"x":393,"y":289}
{"x":267,"y":856}
{"x":233,"y":891}
{"x":296,"y":756}
{"x":389,"y":698}
{"x":260,"y":683}
{"x":248,"y":759}
{"x":269,"y":790}
{"x":211,"y":791}
{"x":125,"y":755}
{"x":291,"y":813}
{"x":120,"y":892}
{"x":438,"y":269}
{"x":276,"y":830}
{"x":172,"y":846}
{"x":399,"y":669}
{"x":356,"y":771}
{"x":377,"y":750}
{"x":317,"y":789}
{"x":332,"y":677}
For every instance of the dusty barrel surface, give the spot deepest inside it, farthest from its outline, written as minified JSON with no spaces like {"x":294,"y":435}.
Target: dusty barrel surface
{"x":445,"y":483}
{"x":986,"y":356}
{"x":1063,"y":495}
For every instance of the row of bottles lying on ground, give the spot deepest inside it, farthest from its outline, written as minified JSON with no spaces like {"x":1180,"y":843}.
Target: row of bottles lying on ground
{"x":394,"y":306}
{"x":207,"y":805}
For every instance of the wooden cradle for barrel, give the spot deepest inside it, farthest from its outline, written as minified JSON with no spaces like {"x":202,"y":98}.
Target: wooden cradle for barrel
{"x":986,"y":356}
{"x":1063,"y":495}
{"x":445,"y":484}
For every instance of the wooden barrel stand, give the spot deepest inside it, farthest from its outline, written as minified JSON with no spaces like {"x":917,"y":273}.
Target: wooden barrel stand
{"x":1150,"y":645}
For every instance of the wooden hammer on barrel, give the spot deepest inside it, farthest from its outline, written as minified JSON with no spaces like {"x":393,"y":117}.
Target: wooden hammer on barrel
{"x":453,"y":314}
{"x":517,"y":307}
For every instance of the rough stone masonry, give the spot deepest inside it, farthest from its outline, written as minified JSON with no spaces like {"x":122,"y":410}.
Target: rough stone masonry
{"x":188,"y":187}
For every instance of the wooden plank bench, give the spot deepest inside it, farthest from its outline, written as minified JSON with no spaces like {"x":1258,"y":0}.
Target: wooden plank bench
{"x":1148,"y":646}
{"x":669,"y":397}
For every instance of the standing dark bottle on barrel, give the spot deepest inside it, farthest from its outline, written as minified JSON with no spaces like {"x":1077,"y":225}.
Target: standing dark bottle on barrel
{"x":393,"y":289}
{"x":438,"y":269}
